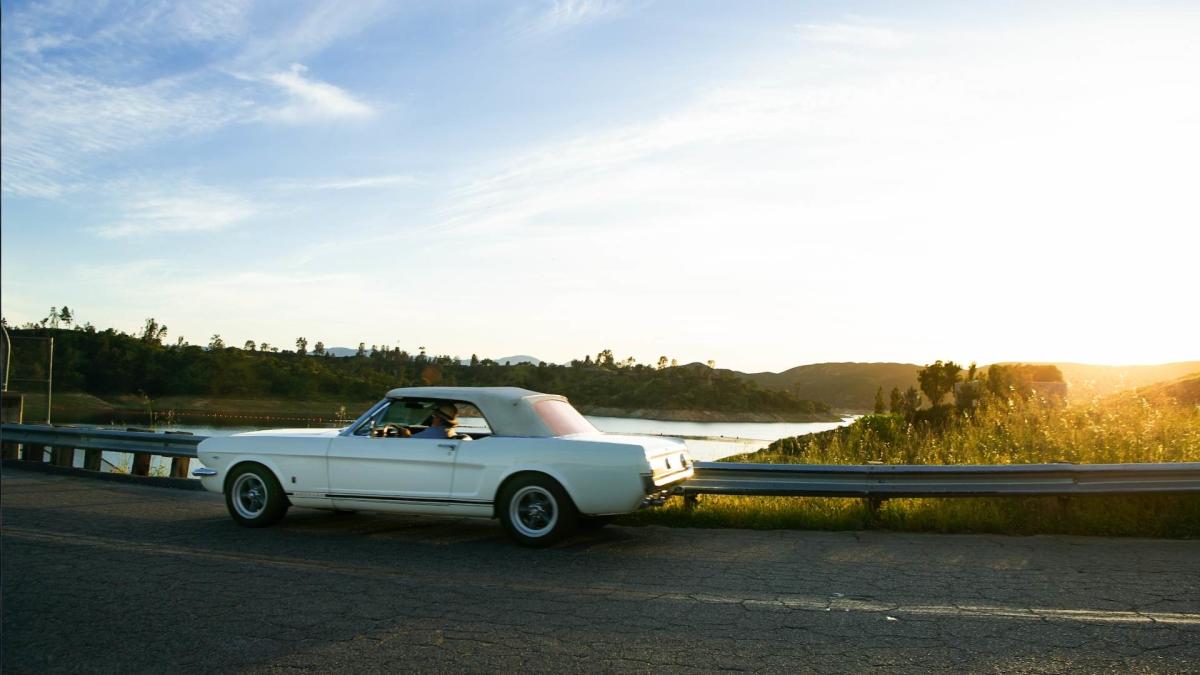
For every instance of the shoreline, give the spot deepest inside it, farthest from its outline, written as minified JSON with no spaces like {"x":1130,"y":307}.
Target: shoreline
{"x":82,"y":405}
{"x":706,"y":415}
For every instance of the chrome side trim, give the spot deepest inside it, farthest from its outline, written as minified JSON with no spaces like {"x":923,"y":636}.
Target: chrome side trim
{"x":204,"y":472}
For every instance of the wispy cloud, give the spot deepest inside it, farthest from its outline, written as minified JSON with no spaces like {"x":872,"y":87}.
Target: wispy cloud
{"x":854,"y":34}
{"x":55,"y":121}
{"x":84,"y":83}
{"x":187,"y":208}
{"x":352,"y":183}
{"x":311,"y":99}
{"x":561,"y":15}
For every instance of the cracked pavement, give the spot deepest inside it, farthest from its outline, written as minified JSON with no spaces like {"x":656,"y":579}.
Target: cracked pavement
{"x":101,"y":577}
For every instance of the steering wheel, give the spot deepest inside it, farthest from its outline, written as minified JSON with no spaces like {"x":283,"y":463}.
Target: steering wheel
{"x":391,"y":430}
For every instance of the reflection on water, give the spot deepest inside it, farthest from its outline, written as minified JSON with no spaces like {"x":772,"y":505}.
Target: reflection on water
{"x":707,"y":441}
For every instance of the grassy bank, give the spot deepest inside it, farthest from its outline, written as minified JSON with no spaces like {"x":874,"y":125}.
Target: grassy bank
{"x":1120,"y":430}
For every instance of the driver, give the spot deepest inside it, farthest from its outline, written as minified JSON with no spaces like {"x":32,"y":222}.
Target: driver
{"x":441,"y":423}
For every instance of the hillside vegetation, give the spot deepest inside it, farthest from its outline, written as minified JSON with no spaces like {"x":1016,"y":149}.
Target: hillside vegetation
{"x":111,"y":363}
{"x":841,"y":385}
{"x":852,"y":386}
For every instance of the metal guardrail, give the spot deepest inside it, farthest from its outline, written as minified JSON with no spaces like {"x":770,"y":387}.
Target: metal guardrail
{"x":82,"y":438}
{"x":823,"y":480}
{"x":890,"y":480}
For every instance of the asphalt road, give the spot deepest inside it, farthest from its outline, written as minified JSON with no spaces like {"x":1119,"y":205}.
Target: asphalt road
{"x":102,"y":577}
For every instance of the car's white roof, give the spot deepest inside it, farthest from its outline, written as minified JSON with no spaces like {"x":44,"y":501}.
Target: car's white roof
{"x":509,"y":410}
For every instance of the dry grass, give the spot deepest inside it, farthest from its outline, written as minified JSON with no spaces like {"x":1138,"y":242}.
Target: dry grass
{"x":1124,"y":429}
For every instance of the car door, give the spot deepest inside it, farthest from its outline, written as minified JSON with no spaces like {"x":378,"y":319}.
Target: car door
{"x":390,"y":472}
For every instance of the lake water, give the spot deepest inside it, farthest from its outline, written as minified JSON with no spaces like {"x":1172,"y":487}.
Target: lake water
{"x":707,"y":441}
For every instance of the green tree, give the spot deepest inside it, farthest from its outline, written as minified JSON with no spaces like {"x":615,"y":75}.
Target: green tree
{"x":302,"y":346}
{"x":319,"y":349}
{"x":879,"y":408}
{"x":362,"y":350}
{"x":152,"y":332}
{"x":215,"y":343}
{"x":938,"y":379}
{"x":474,"y":360}
{"x":65,"y":316}
{"x":911,"y":402}
{"x":662,"y":362}
{"x":896,"y":404}
{"x":249,"y":346}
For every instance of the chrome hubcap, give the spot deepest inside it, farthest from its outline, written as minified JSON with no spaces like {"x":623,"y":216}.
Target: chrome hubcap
{"x":249,"y":496}
{"x":533,"y":511}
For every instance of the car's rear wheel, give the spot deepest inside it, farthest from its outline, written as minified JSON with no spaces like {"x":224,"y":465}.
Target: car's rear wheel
{"x":254,"y":497}
{"x":536,"y":511}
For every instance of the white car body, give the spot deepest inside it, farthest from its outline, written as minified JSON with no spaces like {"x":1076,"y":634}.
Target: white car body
{"x":348,"y":469}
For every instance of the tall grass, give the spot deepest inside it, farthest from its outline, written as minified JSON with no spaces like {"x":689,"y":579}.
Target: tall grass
{"x":1018,"y":431}
{"x":1015,"y":431}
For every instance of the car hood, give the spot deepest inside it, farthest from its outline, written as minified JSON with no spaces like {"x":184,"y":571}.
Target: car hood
{"x":292,"y":432}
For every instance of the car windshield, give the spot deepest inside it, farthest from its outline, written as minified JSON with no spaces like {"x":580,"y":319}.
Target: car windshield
{"x":561,"y":418}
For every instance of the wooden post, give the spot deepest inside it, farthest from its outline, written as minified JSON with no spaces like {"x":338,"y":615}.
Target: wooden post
{"x":92,"y":459}
{"x":62,"y":456}
{"x":141,"y":464}
{"x":33,"y":453}
{"x":179,"y":467}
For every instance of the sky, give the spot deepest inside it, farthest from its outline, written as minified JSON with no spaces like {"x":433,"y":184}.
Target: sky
{"x":761,"y":184}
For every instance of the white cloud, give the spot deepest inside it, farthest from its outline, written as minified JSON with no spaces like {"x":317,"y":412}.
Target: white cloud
{"x":313,"y":99}
{"x":182,"y":209}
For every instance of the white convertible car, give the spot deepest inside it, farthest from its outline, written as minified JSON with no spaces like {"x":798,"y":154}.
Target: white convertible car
{"x":529,"y":459}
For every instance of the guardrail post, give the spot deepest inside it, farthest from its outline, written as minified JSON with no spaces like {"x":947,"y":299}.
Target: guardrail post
{"x":33,"y":453}
{"x":92,"y":459}
{"x":179,"y":467}
{"x":9,"y":450}
{"x":873,"y":505}
{"x":60,"y":456}
{"x":690,"y":501}
{"x":141,"y":464}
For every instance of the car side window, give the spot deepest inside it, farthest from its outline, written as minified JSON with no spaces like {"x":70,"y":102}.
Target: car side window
{"x":414,"y":414}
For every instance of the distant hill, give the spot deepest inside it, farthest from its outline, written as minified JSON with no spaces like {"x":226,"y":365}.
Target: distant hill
{"x":1185,"y":390}
{"x":1087,"y":380}
{"x":841,"y":385}
{"x":853,"y":385}
{"x":514,"y":360}
{"x":503,"y":360}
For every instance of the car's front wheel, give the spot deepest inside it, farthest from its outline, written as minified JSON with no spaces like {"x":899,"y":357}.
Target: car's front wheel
{"x":254,"y":497}
{"x":536,"y":511}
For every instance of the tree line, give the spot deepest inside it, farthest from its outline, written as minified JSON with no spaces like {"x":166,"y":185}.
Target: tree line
{"x":146,"y":363}
{"x":970,"y":390}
